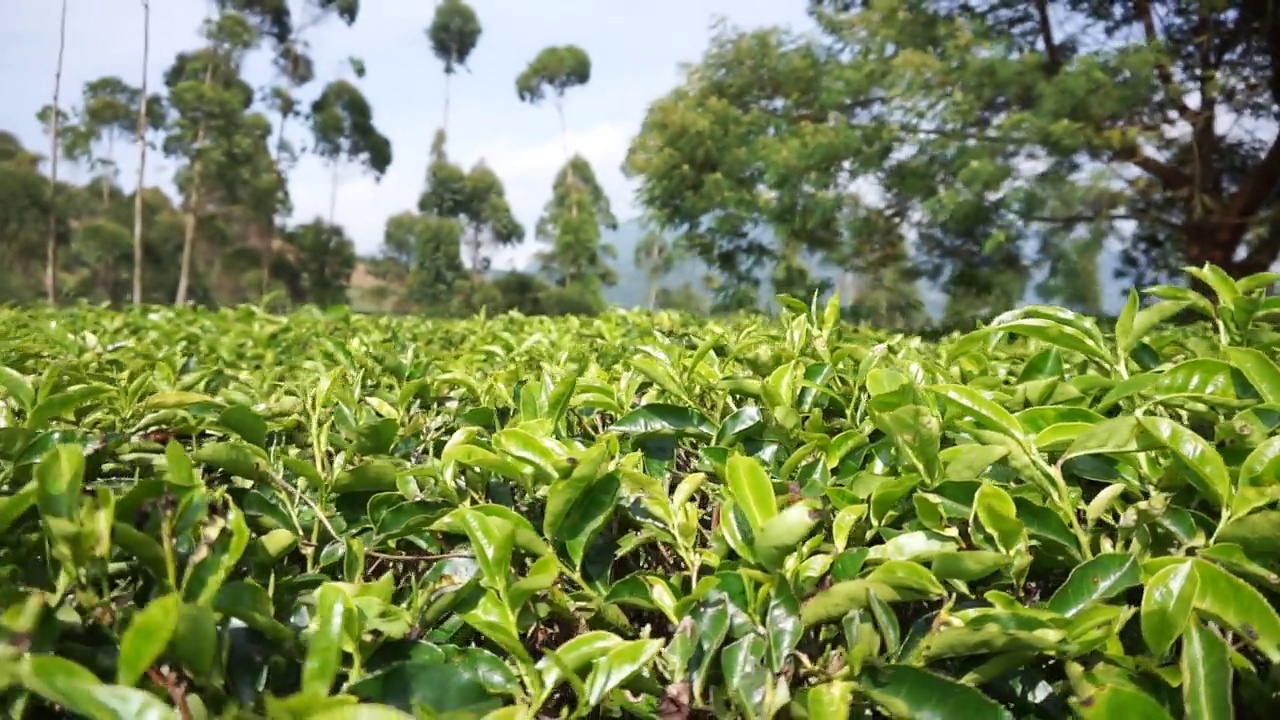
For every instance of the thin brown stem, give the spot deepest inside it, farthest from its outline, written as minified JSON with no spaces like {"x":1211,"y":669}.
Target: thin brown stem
{"x":51,"y":245}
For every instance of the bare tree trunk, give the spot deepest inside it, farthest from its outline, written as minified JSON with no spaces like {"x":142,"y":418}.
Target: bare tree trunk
{"x":193,"y":207}
{"x":188,"y":238}
{"x":333,"y":190}
{"x":564,"y":128}
{"x":477,"y":248}
{"x":267,"y":249}
{"x":564,"y":141}
{"x":448,"y":76}
{"x":654,"y":254}
{"x":51,"y":243}
{"x":111,"y":164}
{"x":142,"y":157}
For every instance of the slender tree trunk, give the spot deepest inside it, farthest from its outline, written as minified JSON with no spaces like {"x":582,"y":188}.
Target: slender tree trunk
{"x":51,"y":243}
{"x":564,"y":127}
{"x":564,"y":141}
{"x":333,"y":190}
{"x":477,"y":245}
{"x":193,"y":207}
{"x":653,"y":277}
{"x":188,"y":237}
{"x":142,"y":158}
{"x":448,"y":77}
{"x":108,"y":176}
{"x":267,"y":248}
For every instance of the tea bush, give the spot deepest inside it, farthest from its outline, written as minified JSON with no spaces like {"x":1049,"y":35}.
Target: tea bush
{"x":234,"y":514}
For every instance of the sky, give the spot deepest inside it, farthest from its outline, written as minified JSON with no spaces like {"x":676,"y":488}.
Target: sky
{"x":636,"y":50}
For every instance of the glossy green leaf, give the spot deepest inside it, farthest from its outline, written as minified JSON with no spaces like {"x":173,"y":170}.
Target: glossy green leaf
{"x":492,"y":540}
{"x":1167,"y":601}
{"x":178,"y":465}
{"x":983,"y":410}
{"x":574,"y":655}
{"x":917,"y":435}
{"x":994,"y":508}
{"x":1236,"y":604}
{"x":906,"y":692}
{"x":1205,"y":662}
{"x":146,"y":638}
{"x":750,"y":486}
{"x":369,"y":476}
{"x":59,"y":477}
{"x":781,"y":534}
{"x":1261,"y":371}
{"x":1097,"y":579}
{"x":616,"y":667}
{"x":324,"y":645}
{"x":664,"y":418}
{"x":1121,"y":702}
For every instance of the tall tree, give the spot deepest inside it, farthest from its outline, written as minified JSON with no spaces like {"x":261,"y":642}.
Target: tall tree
{"x":444,"y":194}
{"x":554,"y":70}
{"x":486,"y":216}
{"x":325,"y":258}
{"x":287,"y":25}
{"x":657,"y":257}
{"x":476,"y":199}
{"x":1004,"y":140}
{"x":885,"y":291}
{"x":51,"y":241}
{"x":210,"y":103}
{"x":110,"y":109}
{"x":342,"y":123}
{"x":454,"y":32}
{"x":141,"y":127}
{"x":427,"y":248}
{"x":572,"y":227}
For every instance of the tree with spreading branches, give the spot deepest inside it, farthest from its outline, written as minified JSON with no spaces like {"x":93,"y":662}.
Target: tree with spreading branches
{"x":344,"y":132}
{"x":554,"y":71}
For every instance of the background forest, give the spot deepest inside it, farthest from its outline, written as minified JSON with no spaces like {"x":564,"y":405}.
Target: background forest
{"x":936,"y":162}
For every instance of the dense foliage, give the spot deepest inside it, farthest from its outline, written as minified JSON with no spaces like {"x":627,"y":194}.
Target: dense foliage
{"x":993,"y":147}
{"x":241,"y":514}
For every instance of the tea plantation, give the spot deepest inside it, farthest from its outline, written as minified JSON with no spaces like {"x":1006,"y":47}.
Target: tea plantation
{"x":332,"y":516}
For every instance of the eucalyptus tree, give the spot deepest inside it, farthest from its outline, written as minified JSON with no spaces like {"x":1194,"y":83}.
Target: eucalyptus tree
{"x":554,"y":71}
{"x":454,"y":33}
{"x":427,"y":248}
{"x":571,"y":226}
{"x":657,"y":257}
{"x":287,"y":25}
{"x":109,"y":110}
{"x":486,"y":217}
{"x":476,"y":199}
{"x":342,"y":124}
{"x":210,"y":103}
{"x":24,"y":215}
{"x":444,"y":194}
{"x":75,"y":139}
